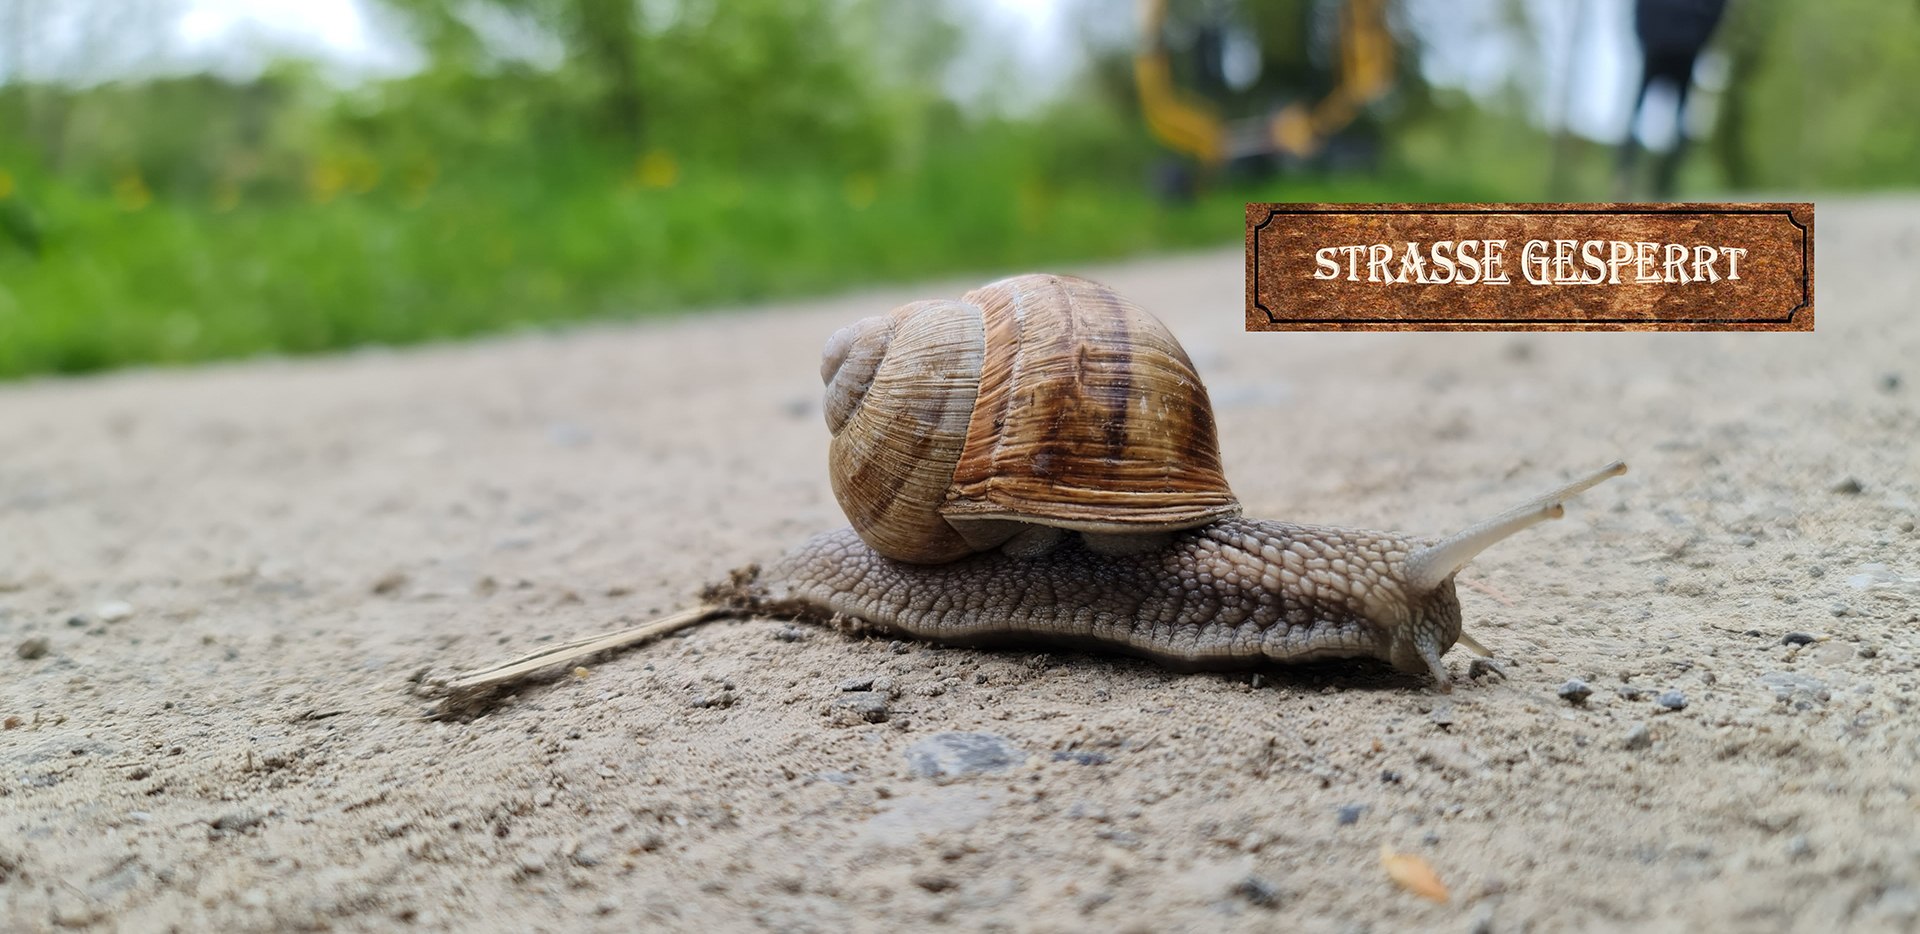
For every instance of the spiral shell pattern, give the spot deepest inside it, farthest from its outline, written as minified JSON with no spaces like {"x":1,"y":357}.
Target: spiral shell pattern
{"x":1035,"y":400}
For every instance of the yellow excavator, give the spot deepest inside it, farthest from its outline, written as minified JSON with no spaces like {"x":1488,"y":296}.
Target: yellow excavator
{"x":1188,"y":69}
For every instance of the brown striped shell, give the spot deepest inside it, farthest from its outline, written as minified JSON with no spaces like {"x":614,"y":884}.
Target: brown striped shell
{"x":1038,"y":400}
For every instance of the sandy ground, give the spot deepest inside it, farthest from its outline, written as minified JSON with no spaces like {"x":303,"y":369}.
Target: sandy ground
{"x":241,"y":573}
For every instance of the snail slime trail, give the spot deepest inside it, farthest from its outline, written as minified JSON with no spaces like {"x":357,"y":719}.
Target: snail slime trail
{"x":1131,"y":541}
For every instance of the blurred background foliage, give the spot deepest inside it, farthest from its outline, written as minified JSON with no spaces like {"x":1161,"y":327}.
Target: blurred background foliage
{"x":551,"y":160}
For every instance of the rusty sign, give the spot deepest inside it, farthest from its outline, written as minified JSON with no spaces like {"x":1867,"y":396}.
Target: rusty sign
{"x":1502,"y":267}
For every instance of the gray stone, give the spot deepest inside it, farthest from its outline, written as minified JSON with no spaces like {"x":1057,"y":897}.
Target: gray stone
{"x":859,"y":707}
{"x":1638,"y":738}
{"x":235,"y":822}
{"x":1795,"y":688}
{"x":1258,"y":891}
{"x":959,"y":755}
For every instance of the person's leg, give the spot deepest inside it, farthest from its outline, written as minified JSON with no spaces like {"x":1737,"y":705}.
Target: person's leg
{"x":1667,"y":169}
{"x":1623,"y":166}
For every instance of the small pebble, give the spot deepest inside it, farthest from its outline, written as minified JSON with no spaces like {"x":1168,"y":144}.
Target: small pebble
{"x":958,"y":755}
{"x":1482,"y":920}
{"x":859,"y":707}
{"x":1638,"y":738}
{"x":1349,"y":814}
{"x":1800,"y":690}
{"x":1442,"y":715}
{"x":1575,"y":692}
{"x":857,"y":683}
{"x":1798,"y":638}
{"x":1849,"y":487}
{"x":1258,"y":891}
{"x":569,"y":435}
{"x":34,"y":647}
{"x":235,"y":822}
{"x":1672,"y":700}
{"x":113,"y":611}
{"x":933,"y":882}
{"x":1081,"y":757}
{"x":722,"y":698}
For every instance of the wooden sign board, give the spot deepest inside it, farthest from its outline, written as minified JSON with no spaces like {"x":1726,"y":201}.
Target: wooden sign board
{"x":1510,"y":267}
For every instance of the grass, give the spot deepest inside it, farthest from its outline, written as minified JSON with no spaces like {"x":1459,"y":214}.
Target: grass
{"x":123,"y":277}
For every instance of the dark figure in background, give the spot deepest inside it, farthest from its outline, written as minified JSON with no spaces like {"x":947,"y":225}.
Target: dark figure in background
{"x":1671,"y":34}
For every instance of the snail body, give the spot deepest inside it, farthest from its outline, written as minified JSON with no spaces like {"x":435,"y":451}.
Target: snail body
{"x":1036,"y":462}
{"x":1236,"y":593}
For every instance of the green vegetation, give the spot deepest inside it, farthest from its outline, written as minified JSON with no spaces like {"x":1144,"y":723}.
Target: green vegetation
{"x":370,"y":254}
{"x":726,"y":153}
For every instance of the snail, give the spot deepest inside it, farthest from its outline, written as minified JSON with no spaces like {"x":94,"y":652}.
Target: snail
{"x":1037,"y":463}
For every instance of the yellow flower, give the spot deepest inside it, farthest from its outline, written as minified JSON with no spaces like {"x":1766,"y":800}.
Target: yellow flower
{"x":656,"y":169}
{"x":130,"y":192}
{"x":362,"y":174}
{"x":861,"y":190}
{"x":226,"y":195}
{"x":324,"y":182}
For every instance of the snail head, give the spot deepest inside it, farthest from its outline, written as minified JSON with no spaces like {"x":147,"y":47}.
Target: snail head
{"x":1423,"y":618}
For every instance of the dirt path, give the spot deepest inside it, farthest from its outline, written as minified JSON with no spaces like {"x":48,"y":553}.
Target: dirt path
{"x":235,"y":575}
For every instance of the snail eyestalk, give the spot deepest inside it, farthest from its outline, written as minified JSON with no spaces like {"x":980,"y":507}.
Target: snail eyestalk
{"x":1431,"y":566}
{"x":1429,"y":647}
{"x":1473,"y":645}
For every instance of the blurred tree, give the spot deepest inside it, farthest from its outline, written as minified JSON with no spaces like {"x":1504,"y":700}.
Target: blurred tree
{"x":741,"y":81}
{"x":71,"y":42}
{"x":601,"y":41}
{"x":1837,"y":80}
{"x":1744,"y":39}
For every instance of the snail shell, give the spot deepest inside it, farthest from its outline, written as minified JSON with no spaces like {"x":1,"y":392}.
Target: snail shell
{"x":1036,"y":401}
